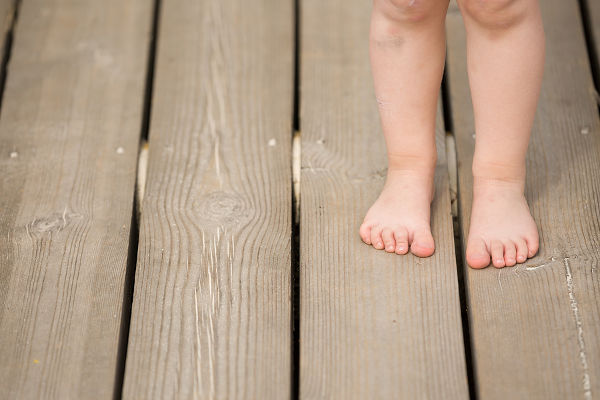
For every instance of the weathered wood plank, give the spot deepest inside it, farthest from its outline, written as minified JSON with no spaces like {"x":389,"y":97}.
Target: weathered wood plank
{"x":69,"y":133}
{"x":535,"y":327}
{"x":211,"y":311}
{"x":373,"y":325}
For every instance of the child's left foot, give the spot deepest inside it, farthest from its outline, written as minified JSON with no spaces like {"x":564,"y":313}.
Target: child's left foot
{"x":501,"y":225}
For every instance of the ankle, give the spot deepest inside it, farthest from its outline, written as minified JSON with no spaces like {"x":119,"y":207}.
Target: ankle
{"x":416,"y":172}
{"x":491,"y":187}
{"x":511,"y":175}
{"x":422,"y":162}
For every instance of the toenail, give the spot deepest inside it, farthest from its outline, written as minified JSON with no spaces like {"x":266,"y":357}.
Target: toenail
{"x":390,"y":247}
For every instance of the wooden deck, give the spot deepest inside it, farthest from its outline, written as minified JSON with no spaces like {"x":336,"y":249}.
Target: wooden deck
{"x":225,"y":262}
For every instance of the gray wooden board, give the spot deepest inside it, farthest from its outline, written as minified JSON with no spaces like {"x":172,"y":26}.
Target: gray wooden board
{"x":535,"y":328}
{"x":373,"y":325}
{"x":69,"y":134}
{"x":211,"y":310}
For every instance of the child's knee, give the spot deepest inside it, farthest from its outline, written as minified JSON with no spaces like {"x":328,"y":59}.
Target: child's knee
{"x":495,"y":14}
{"x":411,"y":12}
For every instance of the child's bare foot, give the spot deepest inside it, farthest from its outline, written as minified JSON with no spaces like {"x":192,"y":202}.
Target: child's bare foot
{"x":399,"y":218}
{"x":501,"y":224}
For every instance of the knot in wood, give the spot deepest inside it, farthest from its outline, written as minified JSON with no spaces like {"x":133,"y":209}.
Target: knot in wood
{"x":54,"y":222}
{"x":225,"y":208}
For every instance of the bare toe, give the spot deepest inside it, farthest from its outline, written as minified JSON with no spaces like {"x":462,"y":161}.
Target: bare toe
{"x":477,"y":254}
{"x":376,"y":239}
{"x":388,"y":240}
{"x":521,"y":250}
{"x":365,"y":233}
{"x":401,"y":236}
{"x":422,"y":244}
{"x":532,"y":245}
{"x":497,"y":249}
{"x":510,"y":253}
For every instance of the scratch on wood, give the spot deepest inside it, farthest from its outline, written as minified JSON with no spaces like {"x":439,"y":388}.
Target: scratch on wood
{"x":198,"y":348}
{"x":314,"y":169}
{"x":534,"y":267}
{"x":209,"y":271}
{"x":210,"y":329}
{"x":217,"y":162}
{"x":499,"y":281}
{"x":63,"y":217}
{"x":233,"y":244}
{"x":230,"y":255}
{"x":575,"y":309}
{"x":207,"y":312}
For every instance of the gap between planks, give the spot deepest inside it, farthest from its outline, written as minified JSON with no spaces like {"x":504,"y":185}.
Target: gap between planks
{"x":7,"y":45}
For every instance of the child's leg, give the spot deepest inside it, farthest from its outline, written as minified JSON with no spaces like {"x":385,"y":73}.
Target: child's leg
{"x":407,"y":48}
{"x":505,"y":55}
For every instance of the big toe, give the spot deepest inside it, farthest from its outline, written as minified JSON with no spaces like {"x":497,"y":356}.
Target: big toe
{"x":365,"y":233}
{"x":422,"y":244}
{"x":477,"y":254}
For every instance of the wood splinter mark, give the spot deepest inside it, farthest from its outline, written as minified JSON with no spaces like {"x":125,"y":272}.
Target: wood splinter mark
{"x":534,"y":267}
{"x":587,"y":391}
{"x":546,"y":264}
{"x":217,"y":162}
{"x":500,"y":282}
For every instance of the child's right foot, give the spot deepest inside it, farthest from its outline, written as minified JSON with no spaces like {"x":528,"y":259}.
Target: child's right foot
{"x":399,"y":218}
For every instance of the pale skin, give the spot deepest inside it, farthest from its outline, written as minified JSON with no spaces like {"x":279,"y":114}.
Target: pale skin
{"x":505,"y":58}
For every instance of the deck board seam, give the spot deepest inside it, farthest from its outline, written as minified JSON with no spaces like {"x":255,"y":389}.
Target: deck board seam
{"x":459,"y":245}
{"x":138,"y":194}
{"x":295,"y":203}
{"x":7,"y":48}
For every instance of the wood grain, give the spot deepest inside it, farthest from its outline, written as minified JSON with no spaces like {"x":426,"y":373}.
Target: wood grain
{"x":373,"y":325}
{"x":211,"y":310}
{"x":69,"y":133}
{"x":535,"y":328}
